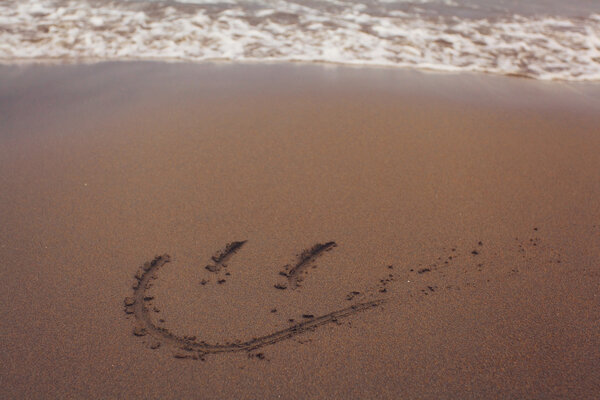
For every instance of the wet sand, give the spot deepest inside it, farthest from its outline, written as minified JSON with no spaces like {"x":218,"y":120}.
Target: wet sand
{"x":321,"y":233}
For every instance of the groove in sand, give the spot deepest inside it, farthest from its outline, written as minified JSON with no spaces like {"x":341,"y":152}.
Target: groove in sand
{"x":223,"y":255}
{"x":306,"y":257}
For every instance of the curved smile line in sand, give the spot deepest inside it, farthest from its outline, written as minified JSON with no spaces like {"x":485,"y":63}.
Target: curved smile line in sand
{"x":193,"y":348}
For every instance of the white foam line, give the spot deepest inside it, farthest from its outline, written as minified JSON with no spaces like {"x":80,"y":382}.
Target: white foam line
{"x":546,"y":48}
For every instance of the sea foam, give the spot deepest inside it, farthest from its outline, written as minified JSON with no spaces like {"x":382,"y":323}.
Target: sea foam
{"x":543,"y":47}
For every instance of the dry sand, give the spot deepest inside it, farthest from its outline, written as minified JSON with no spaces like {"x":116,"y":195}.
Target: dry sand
{"x":465,"y":206}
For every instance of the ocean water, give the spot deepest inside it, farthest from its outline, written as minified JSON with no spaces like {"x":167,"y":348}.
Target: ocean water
{"x":540,"y":39}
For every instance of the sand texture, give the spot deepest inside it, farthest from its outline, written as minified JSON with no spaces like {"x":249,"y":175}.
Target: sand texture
{"x":222,"y":231}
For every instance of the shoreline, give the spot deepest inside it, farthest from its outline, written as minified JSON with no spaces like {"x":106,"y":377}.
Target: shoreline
{"x":546,"y":43}
{"x":85,"y":62}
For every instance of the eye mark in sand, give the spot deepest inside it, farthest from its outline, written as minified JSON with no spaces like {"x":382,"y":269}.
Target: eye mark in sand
{"x":190,"y":346}
{"x":295,"y":273}
{"x":223,"y":255}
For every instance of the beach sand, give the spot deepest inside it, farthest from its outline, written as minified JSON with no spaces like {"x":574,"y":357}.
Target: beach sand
{"x":465,"y":206}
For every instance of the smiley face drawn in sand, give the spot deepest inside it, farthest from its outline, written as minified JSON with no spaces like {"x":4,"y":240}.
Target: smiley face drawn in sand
{"x":454,"y":269}
{"x":191,"y":347}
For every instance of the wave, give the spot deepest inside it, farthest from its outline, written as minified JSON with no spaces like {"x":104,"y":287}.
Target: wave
{"x":545,"y":47}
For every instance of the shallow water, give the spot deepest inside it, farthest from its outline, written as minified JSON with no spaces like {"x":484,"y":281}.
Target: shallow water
{"x":547,"y":40}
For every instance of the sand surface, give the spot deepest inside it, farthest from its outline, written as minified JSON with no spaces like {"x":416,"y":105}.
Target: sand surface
{"x":465,"y":207}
